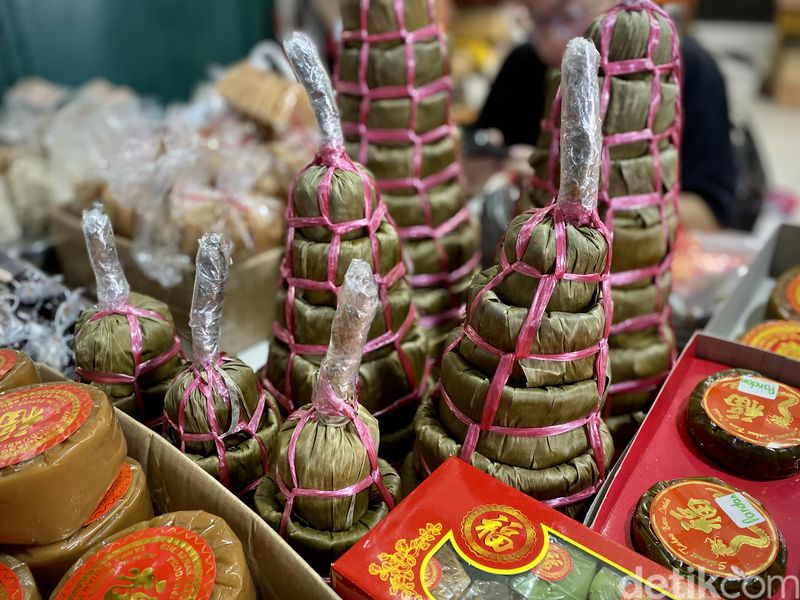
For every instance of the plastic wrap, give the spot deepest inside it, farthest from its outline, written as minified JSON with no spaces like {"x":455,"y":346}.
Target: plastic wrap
{"x":16,"y":581}
{"x":747,"y":423}
{"x":205,"y":320}
{"x":182,"y":555}
{"x":113,"y":289}
{"x":125,"y":504}
{"x":580,"y":131}
{"x":308,"y":69}
{"x":74,"y":450}
{"x":338,"y":371}
{"x":329,"y":486}
{"x":745,"y":556}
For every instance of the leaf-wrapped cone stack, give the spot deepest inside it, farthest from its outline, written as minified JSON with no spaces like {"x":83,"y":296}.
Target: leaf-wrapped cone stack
{"x":638,"y":195}
{"x":126,"y":345}
{"x":394,"y":86}
{"x":335,"y":215}
{"x":215,"y":410}
{"x":523,"y":380}
{"x":329,"y":488}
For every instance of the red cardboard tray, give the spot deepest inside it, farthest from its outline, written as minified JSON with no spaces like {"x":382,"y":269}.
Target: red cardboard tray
{"x":663,"y":450}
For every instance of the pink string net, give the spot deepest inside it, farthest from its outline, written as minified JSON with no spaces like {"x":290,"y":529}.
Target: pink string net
{"x":527,"y":337}
{"x":140,"y":367}
{"x":333,"y":156}
{"x":208,"y":378}
{"x":333,"y":405}
{"x":670,"y":71}
{"x":449,"y":275}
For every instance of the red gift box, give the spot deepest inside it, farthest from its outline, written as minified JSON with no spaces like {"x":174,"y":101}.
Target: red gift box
{"x":663,"y":450}
{"x":492,"y":534}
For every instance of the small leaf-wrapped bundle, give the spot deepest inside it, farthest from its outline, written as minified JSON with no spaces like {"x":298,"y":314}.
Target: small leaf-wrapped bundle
{"x":329,"y":488}
{"x":335,"y":215}
{"x":215,"y":410}
{"x":126,"y":345}
{"x":393,"y":79}
{"x":639,"y":75}
{"x":523,"y":380}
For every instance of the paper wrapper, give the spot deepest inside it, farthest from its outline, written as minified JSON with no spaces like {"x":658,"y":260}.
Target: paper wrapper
{"x":755,"y":585}
{"x":775,"y":455}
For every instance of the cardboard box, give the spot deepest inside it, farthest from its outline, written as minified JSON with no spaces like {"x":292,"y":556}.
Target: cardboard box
{"x":746,"y":306}
{"x":462,"y":529}
{"x":177,"y":483}
{"x":662,"y":449}
{"x":249,"y":309}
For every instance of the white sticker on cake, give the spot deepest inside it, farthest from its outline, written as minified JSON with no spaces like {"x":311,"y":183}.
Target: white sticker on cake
{"x":759,"y":387}
{"x":740,"y":510}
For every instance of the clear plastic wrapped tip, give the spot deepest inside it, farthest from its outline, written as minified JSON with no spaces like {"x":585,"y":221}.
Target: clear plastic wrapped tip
{"x":581,"y":136}
{"x":304,"y":58}
{"x":338,"y":373}
{"x":213,"y":260}
{"x":112,"y":286}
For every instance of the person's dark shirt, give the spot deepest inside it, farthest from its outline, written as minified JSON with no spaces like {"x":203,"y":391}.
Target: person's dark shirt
{"x":516,"y":101}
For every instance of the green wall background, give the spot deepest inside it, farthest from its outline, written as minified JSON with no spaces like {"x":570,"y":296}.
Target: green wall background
{"x":160,"y":48}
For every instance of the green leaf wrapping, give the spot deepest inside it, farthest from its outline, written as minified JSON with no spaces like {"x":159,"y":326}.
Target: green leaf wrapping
{"x":381,"y":18}
{"x":564,"y":479}
{"x":104,"y":346}
{"x":320,"y":547}
{"x":575,"y":586}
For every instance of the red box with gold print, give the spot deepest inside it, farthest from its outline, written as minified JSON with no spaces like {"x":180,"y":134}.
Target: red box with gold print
{"x":464,"y":534}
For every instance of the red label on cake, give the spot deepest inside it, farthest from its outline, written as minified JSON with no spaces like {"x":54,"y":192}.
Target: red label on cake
{"x":10,"y":587}
{"x":8,"y":360}
{"x":556,"y":565}
{"x":758,"y":410}
{"x":780,"y":337}
{"x":714,"y":528}
{"x":118,"y":490}
{"x":34,"y":420}
{"x":159,"y":563}
{"x":498,"y":533}
{"x":793,"y":293}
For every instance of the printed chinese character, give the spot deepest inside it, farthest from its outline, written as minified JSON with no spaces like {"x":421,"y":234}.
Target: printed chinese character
{"x":699,"y":515}
{"x":15,"y":423}
{"x":743,"y":409}
{"x":497,"y":533}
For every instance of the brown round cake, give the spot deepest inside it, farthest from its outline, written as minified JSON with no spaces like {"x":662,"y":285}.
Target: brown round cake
{"x":747,"y":423}
{"x":704,"y":525}
{"x":784,"y":302}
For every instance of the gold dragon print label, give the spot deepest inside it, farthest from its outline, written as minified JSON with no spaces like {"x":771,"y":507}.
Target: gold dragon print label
{"x":10,"y":587}
{"x":715,"y":529}
{"x":158,"y":563}
{"x":8,"y":360}
{"x":34,"y":420}
{"x":498,"y":533}
{"x":760,"y":411}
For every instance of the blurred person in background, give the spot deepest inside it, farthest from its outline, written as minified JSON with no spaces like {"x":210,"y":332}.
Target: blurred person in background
{"x":515,"y":105}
